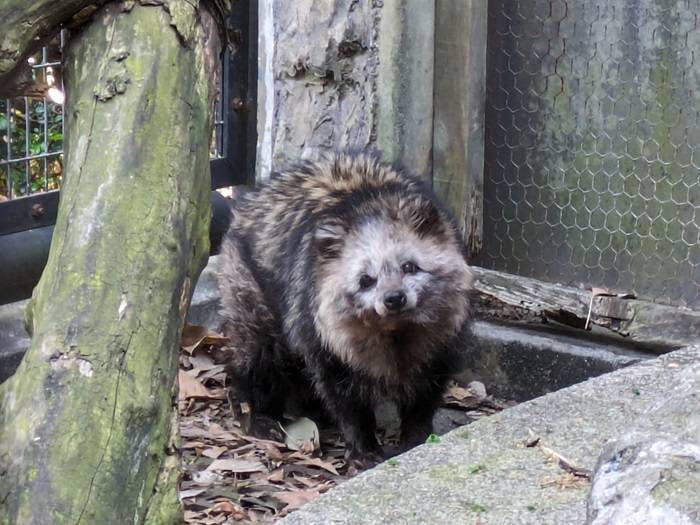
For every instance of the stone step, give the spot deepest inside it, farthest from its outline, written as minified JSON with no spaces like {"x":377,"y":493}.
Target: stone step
{"x":485,"y":473}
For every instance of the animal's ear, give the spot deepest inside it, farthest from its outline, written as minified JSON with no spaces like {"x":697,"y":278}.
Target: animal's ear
{"x":422,"y":215}
{"x":328,"y":237}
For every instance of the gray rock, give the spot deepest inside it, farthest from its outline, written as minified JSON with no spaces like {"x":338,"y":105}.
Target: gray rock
{"x":204,"y":307}
{"x":653,"y":477}
{"x":14,"y":339}
{"x":642,"y":480}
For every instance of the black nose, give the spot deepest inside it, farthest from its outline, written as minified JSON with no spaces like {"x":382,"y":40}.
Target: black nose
{"x":395,"y":300}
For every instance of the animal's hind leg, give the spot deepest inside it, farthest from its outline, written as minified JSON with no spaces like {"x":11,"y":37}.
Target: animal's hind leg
{"x":250,"y":327}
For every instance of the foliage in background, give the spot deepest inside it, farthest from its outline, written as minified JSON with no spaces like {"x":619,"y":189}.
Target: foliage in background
{"x":26,"y":133}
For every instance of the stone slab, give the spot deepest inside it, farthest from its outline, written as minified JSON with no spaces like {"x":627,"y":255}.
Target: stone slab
{"x":483,"y":473}
{"x":521,"y":363}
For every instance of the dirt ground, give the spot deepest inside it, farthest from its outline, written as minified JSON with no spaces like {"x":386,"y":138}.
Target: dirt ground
{"x":232,"y":477}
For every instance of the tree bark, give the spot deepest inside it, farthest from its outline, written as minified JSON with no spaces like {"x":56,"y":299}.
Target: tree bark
{"x":87,"y":424}
{"x":342,"y":74}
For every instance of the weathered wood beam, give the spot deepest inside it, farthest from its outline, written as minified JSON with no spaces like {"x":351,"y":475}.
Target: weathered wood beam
{"x":24,"y":26}
{"x":405,"y":75}
{"x":640,"y":321}
{"x":458,"y":125}
{"x":88,"y":422}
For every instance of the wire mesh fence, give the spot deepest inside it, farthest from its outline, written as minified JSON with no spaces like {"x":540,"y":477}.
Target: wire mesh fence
{"x":31,"y":129}
{"x":592,"y":155}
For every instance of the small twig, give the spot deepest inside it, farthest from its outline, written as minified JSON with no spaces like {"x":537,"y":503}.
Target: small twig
{"x":564,"y":463}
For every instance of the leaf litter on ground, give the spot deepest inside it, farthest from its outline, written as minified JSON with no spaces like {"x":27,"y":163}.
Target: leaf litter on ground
{"x":230,"y":476}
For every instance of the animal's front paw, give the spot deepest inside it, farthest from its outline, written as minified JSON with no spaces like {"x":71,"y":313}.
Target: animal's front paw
{"x":266,"y":427}
{"x":413,"y":434}
{"x":363,"y":459}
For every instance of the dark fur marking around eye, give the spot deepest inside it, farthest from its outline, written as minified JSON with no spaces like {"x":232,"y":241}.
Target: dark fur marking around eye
{"x":366,"y":282}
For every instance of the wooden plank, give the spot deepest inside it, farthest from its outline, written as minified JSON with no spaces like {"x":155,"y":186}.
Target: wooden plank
{"x":318,"y":62}
{"x":640,"y":321}
{"x":458,"y":124}
{"x":404,"y":85}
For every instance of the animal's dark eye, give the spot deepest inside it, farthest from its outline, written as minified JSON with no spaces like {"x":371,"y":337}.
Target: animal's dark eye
{"x":367,"y":281}
{"x":409,"y":268}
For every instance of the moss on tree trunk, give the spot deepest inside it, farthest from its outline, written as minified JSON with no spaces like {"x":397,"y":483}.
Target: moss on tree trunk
{"x":87,"y":424}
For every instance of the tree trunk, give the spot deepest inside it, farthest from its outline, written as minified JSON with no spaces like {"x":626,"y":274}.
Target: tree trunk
{"x":87,"y":427}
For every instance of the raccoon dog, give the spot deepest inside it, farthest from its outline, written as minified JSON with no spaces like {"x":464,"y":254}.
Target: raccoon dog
{"x":345,"y":276}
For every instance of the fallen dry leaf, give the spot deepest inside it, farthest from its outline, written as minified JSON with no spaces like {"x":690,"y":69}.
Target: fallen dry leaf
{"x":226,"y":506}
{"x":297,"y":498}
{"x":206,"y":477}
{"x":191,"y":388}
{"x":272,"y":452}
{"x":215,"y":374}
{"x":302,"y":434}
{"x":193,"y":445}
{"x":192,"y":517}
{"x":459,"y":393}
{"x":191,"y":493}
{"x":277,"y":475}
{"x":194,"y":336}
{"x":237,"y":465}
{"x":202,"y":362}
{"x":318,"y":462}
{"x":214,"y":452}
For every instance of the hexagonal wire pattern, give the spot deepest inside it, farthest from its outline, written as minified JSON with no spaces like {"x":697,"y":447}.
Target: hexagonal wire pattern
{"x":592,"y":153}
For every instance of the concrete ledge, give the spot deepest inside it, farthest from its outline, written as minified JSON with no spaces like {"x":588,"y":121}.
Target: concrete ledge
{"x":514,"y":363}
{"x":482,"y":473}
{"x":520,"y":363}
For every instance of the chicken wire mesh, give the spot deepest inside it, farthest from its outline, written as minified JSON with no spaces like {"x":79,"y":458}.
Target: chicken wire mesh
{"x":592,"y":153}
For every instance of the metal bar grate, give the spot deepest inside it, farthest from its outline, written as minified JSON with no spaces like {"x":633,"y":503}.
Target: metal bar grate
{"x":31,"y":130}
